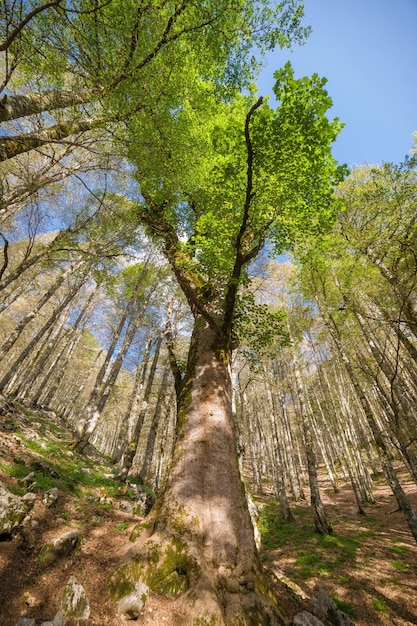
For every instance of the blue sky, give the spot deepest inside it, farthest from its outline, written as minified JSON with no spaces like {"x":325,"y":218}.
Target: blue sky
{"x":367,"y":49}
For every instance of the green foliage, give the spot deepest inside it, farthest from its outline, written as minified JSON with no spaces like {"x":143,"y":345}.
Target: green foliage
{"x":258,"y":328}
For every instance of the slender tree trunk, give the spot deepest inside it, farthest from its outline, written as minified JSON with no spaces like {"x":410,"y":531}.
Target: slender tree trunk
{"x":41,"y":332}
{"x":387,"y":468}
{"x":128,"y":420}
{"x":279,"y":474}
{"x":199,"y":550}
{"x":321,"y":522}
{"x":26,"y":319}
{"x":150,"y":444}
{"x":129,"y":455}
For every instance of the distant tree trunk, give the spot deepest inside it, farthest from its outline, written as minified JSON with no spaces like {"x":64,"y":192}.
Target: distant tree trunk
{"x":128,"y":420}
{"x":45,"y":394}
{"x":321,"y":522}
{"x":387,"y":467}
{"x":253,"y":454}
{"x":129,"y":455}
{"x":150,"y":444}
{"x":166,"y":441}
{"x":12,"y":372}
{"x":26,"y":319}
{"x":279,"y":474}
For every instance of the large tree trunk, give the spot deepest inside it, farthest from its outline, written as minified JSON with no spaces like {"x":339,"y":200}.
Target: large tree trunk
{"x":198,"y":549}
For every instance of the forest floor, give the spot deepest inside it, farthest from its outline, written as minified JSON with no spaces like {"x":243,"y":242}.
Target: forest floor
{"x":368,"y":565}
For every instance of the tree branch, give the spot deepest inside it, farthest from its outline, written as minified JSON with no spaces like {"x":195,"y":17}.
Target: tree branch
{"x":241,"y":258}
{"x":4,"y":45}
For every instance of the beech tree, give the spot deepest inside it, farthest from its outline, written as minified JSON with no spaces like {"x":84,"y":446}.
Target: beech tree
{"x":248,"y":175}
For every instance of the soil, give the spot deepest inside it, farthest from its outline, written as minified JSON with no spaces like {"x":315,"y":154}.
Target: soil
{"x":379,"y":583}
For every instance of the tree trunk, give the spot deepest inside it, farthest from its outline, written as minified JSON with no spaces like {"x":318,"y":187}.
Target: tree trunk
{"x":130,"y":452}
{"x":14,"y":107}
{"x":198,"y":549}
{"x":150,"y":444}
{"x":321,"y":522}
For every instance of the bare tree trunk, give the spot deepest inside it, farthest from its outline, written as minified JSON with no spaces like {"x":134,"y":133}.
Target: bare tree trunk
{"x":41,"y":332}
{"x":26,"y":319}
{"x":321,"y":522}
{"x":387,"y":468}
{"x":130,"y":452}
{"x":150,"y":444}
{"x":127,"y":422}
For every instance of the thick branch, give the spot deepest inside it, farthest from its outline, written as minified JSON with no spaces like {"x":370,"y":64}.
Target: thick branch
{"x":12,"y":146}
{"x":189,"y":282}
{"x":241,"y":257}
{"x":14,"y":107}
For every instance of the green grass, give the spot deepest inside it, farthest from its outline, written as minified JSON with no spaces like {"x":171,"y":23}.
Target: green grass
{"x":344,"y":606}
{"x":379,"y":605}
{"x":396,"y":549}
{"x":399,"y":566}
{"x":315,"y":555}
{"x":122,"y":526}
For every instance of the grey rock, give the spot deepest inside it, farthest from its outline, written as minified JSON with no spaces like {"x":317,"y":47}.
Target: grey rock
{"x":60,"y":547}
{"x":40,"y":466}
{"x":12,"y":509}
{"x":59,"y":619}
{"x":74,"y":601}
{"x":327,"y":609}
{"x":30,"y":498}
{"x":306,"y":619}
{"x":131,"y":605}
{"x":27,"y":480}
{"x":50,"y":497}
{"x":26,"y":621}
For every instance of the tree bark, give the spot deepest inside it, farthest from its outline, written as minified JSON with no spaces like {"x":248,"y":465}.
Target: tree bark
{"x":198,"y":549}
{"x":14,"y":107}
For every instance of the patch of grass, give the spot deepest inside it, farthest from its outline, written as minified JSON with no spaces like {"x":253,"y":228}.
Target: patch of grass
{"x":122,"y":526}
{"x":399,"y":566}
{"x":345,"y":580}
{"x":344,"y":606}
{"x":396,"y":549}
{"x":379,"y":605}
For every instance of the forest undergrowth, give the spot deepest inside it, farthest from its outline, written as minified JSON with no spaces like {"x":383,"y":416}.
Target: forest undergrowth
{"x":368,"y":565}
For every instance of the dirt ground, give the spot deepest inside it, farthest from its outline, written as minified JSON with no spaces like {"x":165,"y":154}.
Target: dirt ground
{"x":379,"y":582}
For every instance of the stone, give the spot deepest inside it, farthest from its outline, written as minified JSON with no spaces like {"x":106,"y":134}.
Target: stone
{"x":306,"y":619}
{"x":60,"y":547}
{"x":59,"y":619}
{"x":131,"y":605}
{"x":327,"y":609}
{"x":74,"y":601}
{"x":40,"y":466}
{"x":50,"y":497}
{"x":13,"y":509}
{"x":26,"y":621}
{"x":27,"y":481}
